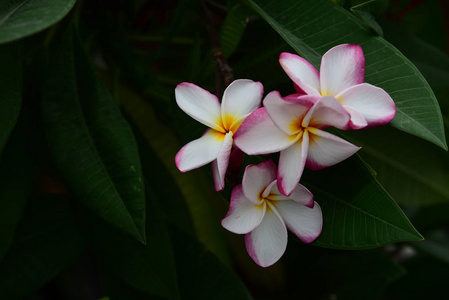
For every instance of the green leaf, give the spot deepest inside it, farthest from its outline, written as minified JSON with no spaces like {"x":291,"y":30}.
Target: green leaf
{"x":312,"y":27}
{"x":366,"y":11}
{"x":197,"y":190}
{"x":91,"y":142}
{"x":17,"y":174}
{"x":414,"y":172}
{"x":202,"y":275}
{"x":233,"y":28}
{"x":10,"y":88}
{"x":149,"y":268}
{"x":357,"y":212}
{"x":46,"y":242}
{"x":20,"y":18}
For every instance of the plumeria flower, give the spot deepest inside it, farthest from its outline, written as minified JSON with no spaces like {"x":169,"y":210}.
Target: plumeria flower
{"x":240,"y":98}
{"x":341,"y":76}
{"x":263,"y":214}
{"x":294,"y":126}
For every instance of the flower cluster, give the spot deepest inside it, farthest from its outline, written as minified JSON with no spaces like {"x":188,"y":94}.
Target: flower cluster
{"x":271,"y":199}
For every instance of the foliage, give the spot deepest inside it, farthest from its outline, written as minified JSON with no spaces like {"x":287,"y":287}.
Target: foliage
{"x":93,"y":207}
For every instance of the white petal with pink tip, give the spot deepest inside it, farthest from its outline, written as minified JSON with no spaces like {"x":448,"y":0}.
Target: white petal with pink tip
{"x":259,"y":135}
{"x":301,"y":72}
{"x":299,"y":195}
{"x":199,"y":152}
{"x":341,"y":67}
{"x":241,"y":97}
{"x":268,"y":241}
{"x":326,"y":149}
{"x":199,"y":104}
{"x":287,"y":113}
{"x":243,"y":216}
{"x":327,"y":112}
{"x":256,"y":178}
{"x":373,"y":103}
{"x":220,"y":165}
{"x":306,"y":223}
{"x":291,"y":165}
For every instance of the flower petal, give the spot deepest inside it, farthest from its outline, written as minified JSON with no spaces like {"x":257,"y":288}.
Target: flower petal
{"x":256,"y":178}
{"x":199,"y":104}
{"x":303,"y":74}
{"x":300,"y":195}
{"x":268,"y":241}
{"x":243,"y":216}
{"x":341,"y":67}
{"x":259,"y":135}
{"x":241,"y":97}
{"x":288,"y":113}
{"x":327,"y":112}
{"x":220,"y":165}
{"x":373,"y":103}
{"x":306,"y":223}
{"x":326,"y":149}
{"x":291,"y":165}
{"x":357,"y":120}
{"x":199,"y":152}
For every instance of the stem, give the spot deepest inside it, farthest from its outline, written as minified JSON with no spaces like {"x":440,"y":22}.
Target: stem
{"x":224,"y":72}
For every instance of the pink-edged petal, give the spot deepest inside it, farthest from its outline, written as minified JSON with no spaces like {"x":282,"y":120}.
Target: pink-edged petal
{"x":220,"y":165}
{"x":305,"y":222}
{"x":326,"y":149}
{"x":199,"y":152}
{"x":303,"y":74}
{"x":373,"y":103}
{"x":357,"y":120}
{"x":300,"y":195}
{"x":259,"y":135}
{"x":256,"y":178}
{"x":288,"y":113}
{"x":291,"y":165}
{"x":341,"y":67}
{"x":268,"y":241}
{"x":243,"y":215}
{"x":327,"y":112}
{"x":199,"y":104}
{"x":241,"y":97}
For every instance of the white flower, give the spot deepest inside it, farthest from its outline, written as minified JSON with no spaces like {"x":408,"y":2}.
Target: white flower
{"x":240,"y":98}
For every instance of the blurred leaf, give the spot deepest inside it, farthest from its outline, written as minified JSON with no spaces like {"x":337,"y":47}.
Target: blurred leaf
{"x":10,"y":88}
{"x":17,"y":174}
{"x":197,"y":190}
{"x":233,"y":28}
{"x":414,"y":172}
{"x":20,"y":18}
{"x":357,"y":212}
{"x":91,"y":142}
{"x":313,"y":27}
{"x":367,"y":10}
{"x":46,"y":241}
{"x":149,"y":268}
{"x":438,"y":249}
{"x":202,"y":275}
{"x":353,"y":274}
{"x":432,"y":62}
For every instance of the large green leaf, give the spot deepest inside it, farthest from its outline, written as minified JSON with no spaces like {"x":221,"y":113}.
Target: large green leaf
{"x":17,"y":173}
{"x":312,"y":27}
{"x":10,"y":88}
{"x":196,"y":189}
{"x":414,"y":172}
{"x":91,"y":142}
{"x":149,"y":268}
{"x":46,"y":242}
{"x":357,"y":212}
{"x":233,"y":28}
{"x":20,"y":18}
